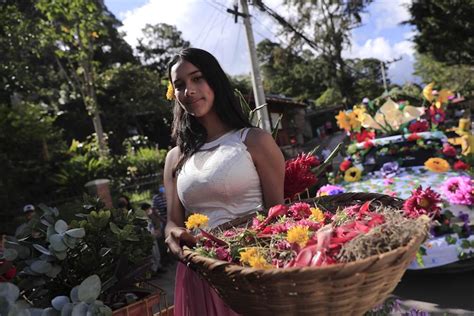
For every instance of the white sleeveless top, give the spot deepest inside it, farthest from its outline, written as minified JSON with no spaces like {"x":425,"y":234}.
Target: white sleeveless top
{"x":220,"y":180}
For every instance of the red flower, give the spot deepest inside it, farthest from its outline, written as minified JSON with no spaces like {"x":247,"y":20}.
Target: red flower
{"x":422,"y":202}
{"x":346,"y":164}
{"x":368,"y":144}
{"x":300,"y":210}
{"x":418,"y":126}
{"x":298,"y":175}
{"x":364,"y":135}
{"x":461,"y":165}
{"x":437,"y":115}
{"x":413,"y":137}
{"x":449,"y":150}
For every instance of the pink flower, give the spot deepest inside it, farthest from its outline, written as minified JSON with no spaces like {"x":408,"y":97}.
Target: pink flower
{"x":449,"y":150}
{"x":458,"y":190}
{"x":300,"y":210}
{"x":460,"y":165}
{"x":223,"y":254}
{"x":422,"y":202}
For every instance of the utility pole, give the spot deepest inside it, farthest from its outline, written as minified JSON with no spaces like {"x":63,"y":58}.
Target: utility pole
{"x":382,"y":67}
{"x":259,"y":94}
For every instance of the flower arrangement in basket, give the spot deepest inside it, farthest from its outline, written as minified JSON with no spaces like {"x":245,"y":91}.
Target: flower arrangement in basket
{"x":339,"y":254}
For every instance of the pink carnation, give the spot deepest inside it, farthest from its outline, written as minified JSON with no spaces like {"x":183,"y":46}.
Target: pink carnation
{"x":458,"y":190}
{"x":300,"y":210}
{"x":422,"y":202}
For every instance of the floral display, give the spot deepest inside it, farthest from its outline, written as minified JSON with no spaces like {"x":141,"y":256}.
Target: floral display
{"x":306,"y":234}
{"x":330,"y":189}
{"x":423,"y":202}
{"x":389,"y":169}
{"x":458,"y":190}
{"x":437,"y":165}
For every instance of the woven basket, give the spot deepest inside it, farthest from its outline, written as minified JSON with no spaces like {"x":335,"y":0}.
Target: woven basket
{"x":340,"y":289}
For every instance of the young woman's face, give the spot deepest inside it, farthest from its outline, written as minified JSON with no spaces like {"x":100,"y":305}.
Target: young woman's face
{"x":191,"y":89}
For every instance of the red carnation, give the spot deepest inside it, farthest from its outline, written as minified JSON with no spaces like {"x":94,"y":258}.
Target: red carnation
{"x":418,"y":126}
{"x":298,"y":175}
{"x":368,"y":144}
{"x":460,"y":165}
{"x":346,"y":164}
{"x":413,"y":137}
{"x":437,"y":115}
{"x":422,"y":202}
{"x":449,"y":150}
{"x":364,"y":135}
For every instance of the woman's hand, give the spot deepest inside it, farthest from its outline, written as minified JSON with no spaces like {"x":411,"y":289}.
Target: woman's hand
{"x":177,"y":238}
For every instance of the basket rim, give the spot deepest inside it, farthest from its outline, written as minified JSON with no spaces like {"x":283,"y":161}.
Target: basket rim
{"x":193,"y":258}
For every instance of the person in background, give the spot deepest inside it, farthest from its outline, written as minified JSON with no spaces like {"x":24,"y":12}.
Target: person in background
{"x":26,"y":228}
{"x":123,"y":203}
{"x":154,"y":227}
{"x":7,"y":269}
{"x":159,"y":207}
{"x":222,"y":167}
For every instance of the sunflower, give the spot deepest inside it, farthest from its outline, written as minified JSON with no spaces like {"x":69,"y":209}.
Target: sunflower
{"x":352,"y":174}
{"x":437,"y":165}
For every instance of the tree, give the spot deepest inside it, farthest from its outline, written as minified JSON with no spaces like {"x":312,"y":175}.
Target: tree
{"x":285,"y":72}
{"x":133,"y":98}
{"x":458,"y":78}
{"x":367,"y":77}
{"x":445,"y":29}
{"x":70,"y":29}
{"x":159,"y":44}
{"x":331,"y":22}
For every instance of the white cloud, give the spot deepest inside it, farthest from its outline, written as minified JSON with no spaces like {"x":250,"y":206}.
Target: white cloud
{"x":389,"y":14}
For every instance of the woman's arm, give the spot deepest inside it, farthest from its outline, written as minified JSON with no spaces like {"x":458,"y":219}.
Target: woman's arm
{"x":270,"y":164}
{"x":175,"y":233}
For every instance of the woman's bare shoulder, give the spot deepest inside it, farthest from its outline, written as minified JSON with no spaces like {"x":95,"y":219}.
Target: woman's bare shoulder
{"x":257,"y":137}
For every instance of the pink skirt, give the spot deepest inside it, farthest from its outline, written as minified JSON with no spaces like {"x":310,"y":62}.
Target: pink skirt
{"x":194,"y":297}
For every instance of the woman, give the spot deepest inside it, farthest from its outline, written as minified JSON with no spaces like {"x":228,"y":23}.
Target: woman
{"x":221,"y":167}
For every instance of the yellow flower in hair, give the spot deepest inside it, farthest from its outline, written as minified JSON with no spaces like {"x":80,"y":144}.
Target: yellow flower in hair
{"x":437,"y":165}
{"x":352,"y":174}
{"x":170,"y":92}
{"x":299,"y":235}
{"x":196,"y":221}
{"x":316,"y":214}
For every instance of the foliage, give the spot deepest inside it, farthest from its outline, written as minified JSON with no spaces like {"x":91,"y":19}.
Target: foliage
{"x":290,"y":74}
{"x":112,"y":244}
{"x":329,"y":97}
{"x":331,"y":23}
{"x":456,"y":77}
{"x":160,"y":42}
{"x":132,"y":100}
{"x":367,"y":78}
{"x":440,"y":22}
{"x":29,"y":147}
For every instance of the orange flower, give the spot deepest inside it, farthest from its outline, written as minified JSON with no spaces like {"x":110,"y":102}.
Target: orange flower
{"x":437,"y":165}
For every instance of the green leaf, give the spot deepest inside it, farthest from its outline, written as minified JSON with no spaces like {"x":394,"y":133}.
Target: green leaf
{"x":465,"y":244}
{"x":89,"y":289}
{"x":450,"y":240}
{"x":114,"y":228}
{"x":60,"y":227}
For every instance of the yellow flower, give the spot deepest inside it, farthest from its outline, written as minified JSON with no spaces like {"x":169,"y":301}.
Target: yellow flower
{"x":443,"y":96}
{"x":196,"y":221}
{"x":428,"y":92}
{"x":347,"y":121}
{"x":259,"y":262}
{"x":299,"y":235}
{"x":94,"y":35}
{"x":352,"y":174}
{"x":246,"y":255}
{"x":170,"y":92}
{"x":316,"y":214}
{"x":437,"y":165}
{"x":359,"y":112}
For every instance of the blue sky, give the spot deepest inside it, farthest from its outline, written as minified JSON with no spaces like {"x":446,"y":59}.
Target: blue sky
{"x":206,"y":24}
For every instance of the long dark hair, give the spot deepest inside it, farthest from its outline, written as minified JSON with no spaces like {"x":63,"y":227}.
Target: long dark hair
{"x":187,"y":132}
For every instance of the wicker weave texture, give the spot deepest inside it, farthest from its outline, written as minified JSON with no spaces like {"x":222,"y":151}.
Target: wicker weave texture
{"x":341,"y":289}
